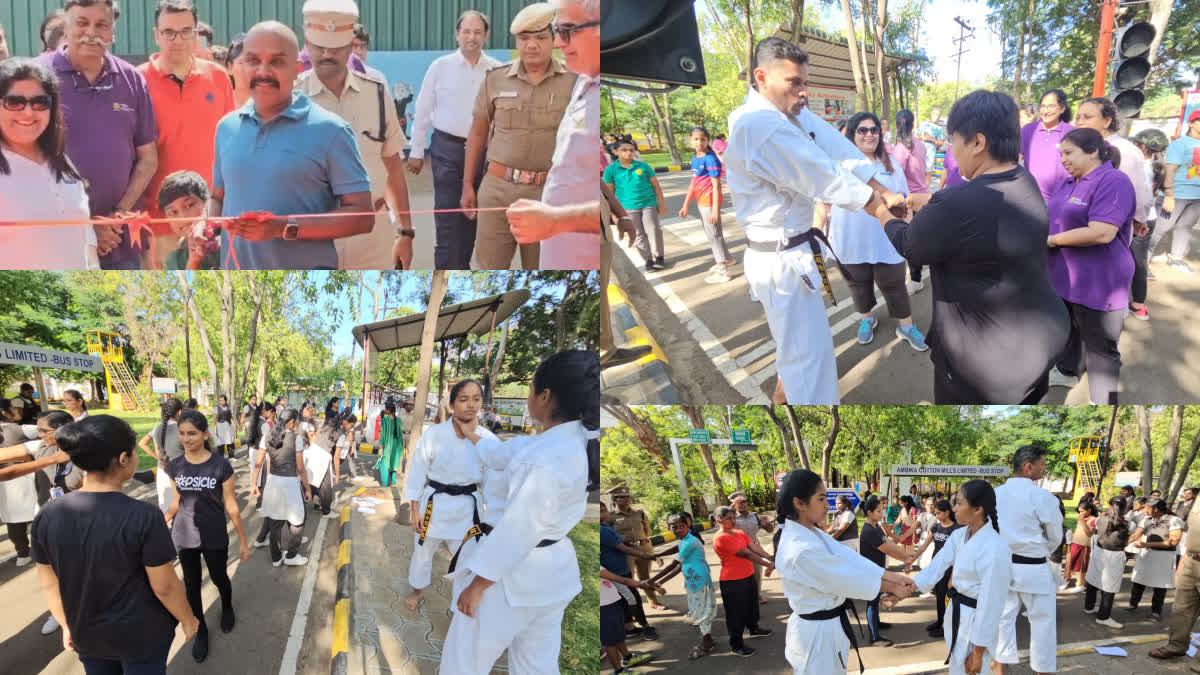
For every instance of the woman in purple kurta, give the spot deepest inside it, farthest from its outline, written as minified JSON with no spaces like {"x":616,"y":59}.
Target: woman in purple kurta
{"x":1040,"y":139}
{"x":1091,"y":221}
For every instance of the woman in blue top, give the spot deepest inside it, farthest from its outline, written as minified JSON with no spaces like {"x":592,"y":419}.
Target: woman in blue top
{"x":706,"y":188}
{"x":697,"y":581}
{"x":1182,"y":189}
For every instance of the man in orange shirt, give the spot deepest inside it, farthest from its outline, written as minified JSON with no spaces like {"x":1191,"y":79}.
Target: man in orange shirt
{"x":190,"y":96}
{"x":738,"y":553}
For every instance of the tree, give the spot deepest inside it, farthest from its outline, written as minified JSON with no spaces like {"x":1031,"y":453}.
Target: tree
{"x":1184,"y":469}
{"x":794,"y":424}
{"x":830,"y":441}
{"x":1170,"y":449}
{"x":644,"y":429}
{"x":856,"y":67}
{"x":436,"y":295}
{"x":1143,"y":422}
{"x":783,"y":435}
{"x":696,"y":416}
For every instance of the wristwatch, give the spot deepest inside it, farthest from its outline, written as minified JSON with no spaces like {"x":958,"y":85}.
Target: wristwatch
{"x":291,"y":231}
{"x":410,"y":233}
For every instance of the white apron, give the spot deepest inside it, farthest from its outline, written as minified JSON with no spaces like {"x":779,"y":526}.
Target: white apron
{"x":18,"y":500}
{"x":163,"y":485}
{"x":317,"y":461}
{"x":1106,"y":569}
{"x":224,"y":433}
{"x":1154,"y":568}
{"x":283,"y":499}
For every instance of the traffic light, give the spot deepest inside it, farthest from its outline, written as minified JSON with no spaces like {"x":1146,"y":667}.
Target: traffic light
{"x":651,"y":40}
{"x":1132,"y":67}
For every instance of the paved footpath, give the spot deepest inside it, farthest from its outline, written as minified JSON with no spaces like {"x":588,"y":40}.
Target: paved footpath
{"x":914,"y":651}
{"x":716,"y":346}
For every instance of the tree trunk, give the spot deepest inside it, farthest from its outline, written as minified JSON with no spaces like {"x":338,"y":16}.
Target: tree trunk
{"x":797,"y":21}
{"x":1143,"y":422}
{"x":852,"y":43}
{"x":794,"y":423}
{"x":830,"y":441}
{"x":670,"y":130}
{"x":1166,"y":470}
{"x":696,"y":417}
{"x":646,"y":433}
{"x":425,"y":364}
{"x":1183,"y":469}
{"x":260,"y":383}
{"x":879,"y":29}
{"x":201,"y":330}
{"x":783,"y":436}
{"x":662,"y":130}
{"x":866,"y":63}
{"x":749,"y":46}
{"x":1019,"y":70}
{"x":1029,"y":56}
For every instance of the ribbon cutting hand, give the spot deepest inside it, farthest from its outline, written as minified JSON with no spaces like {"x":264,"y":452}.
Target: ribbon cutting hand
{"x":108,"y":228}
{"x":256,"y":226}
{"x":469,"y":202}
{"x":531,"y":221}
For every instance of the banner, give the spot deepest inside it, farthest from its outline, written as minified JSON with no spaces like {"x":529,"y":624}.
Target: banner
{"x":831,"y":104}
{"x":163,"y":385}
{"x":1130,"y":478}
{"x":28,"y":356}
{"x":975,"y":471}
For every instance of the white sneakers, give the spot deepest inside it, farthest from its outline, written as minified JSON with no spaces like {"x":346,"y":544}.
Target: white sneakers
{"x":1058,"y":379}
{"x":1110,"y":623}
{"x":21,"y":562}
{"x":331,"y":515}
{"x":50,"y":626}
{"x":914,"y":286}
{"x":1077,"y":589}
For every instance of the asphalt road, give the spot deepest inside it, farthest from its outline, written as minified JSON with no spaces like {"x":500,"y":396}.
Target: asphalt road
{"x":719,"y":350}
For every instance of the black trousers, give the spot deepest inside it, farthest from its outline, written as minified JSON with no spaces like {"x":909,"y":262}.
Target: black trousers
{"x":1140,"y":248}
{"x":940,"y":590}
{"x":285,"y":538}
{"x":950,"y":388}
{"x":324,"y":492}
{"x":1092,"y":347}
{"x":189,"y":561}
{"x":19,"y":534}
{"x":455,"y":239}
{"x":1156,"y":600}
{"x":740,"y":597}
{"x":635,"y":612}
{"x":1106,"y":601}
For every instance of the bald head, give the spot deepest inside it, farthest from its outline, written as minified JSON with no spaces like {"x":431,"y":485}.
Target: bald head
{"x":271,"y":58}
{"x":283,"y":36}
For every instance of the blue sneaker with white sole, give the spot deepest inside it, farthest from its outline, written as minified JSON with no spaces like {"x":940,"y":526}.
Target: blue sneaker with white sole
{"x":913,"y":336}
{"x":866,"y":330}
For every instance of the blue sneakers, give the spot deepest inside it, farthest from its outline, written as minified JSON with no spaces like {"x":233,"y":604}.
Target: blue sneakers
{"x":914,"y":337}
{"x":866,"y":330}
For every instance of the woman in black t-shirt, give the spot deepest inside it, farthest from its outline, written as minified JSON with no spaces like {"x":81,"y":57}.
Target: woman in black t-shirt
{"x":940,"y":532}
{"x":202,"y":493}
{"x":106,"y":560}
{"x":873,"y":544}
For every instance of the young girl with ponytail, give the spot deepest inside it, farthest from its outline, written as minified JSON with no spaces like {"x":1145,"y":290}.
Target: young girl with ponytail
{"x":285,"y":494}
{"x":166,"y":447}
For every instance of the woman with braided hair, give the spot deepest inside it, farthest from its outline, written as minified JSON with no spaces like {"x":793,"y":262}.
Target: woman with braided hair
{"x":285,"y":494}
{"x":391,"y":440}
{"x":166,"y":447}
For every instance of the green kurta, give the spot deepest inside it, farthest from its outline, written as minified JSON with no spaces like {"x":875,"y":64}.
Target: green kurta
{"x":391,"y":441}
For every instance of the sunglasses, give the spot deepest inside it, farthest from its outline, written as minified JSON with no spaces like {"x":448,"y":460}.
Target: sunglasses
{"x":14,"y":103}
{"x":867,"y":131}
{"x":564,"y":30}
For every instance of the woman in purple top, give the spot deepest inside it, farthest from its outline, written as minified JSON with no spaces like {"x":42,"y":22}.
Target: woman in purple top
{"x":1091,"y":220}
{"x":950,"y":167}
{"x":1040,"y":139}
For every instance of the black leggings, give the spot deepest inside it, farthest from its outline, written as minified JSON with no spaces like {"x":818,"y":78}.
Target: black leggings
{"x":940,"y":590}
{"x":189,"y":560}
{"x":324,"y":492}
{"x":1156,"y":600}
{"x":1140,"y":248}
{"x":18,"y":534}
{"x":1106,"y":601}
{"x":225,"y":450}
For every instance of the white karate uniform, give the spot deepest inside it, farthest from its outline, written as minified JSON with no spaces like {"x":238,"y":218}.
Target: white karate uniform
{"x":442,"y":456}
{"x":777,"y":165}
{"x":818,"y":574}
{"x":1032,"y":525}
{"x":983,"y":571}
{"x":523,"y":610}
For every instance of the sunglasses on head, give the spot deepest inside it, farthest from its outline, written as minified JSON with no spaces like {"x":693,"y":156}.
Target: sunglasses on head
{"x":14,"y":103}
{"x":864,"y":131}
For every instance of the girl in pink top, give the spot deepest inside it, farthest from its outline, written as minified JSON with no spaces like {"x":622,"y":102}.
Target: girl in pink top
{"x":910,"y":153}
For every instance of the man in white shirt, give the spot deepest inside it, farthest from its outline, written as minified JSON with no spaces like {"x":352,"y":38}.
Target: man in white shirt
{"x":1032,"y":525}
{"x":445,"y":103}
{"x":781,"y":157}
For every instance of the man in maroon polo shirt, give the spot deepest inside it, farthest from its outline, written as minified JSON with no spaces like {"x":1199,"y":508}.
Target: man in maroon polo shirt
{"x":110,"y":124}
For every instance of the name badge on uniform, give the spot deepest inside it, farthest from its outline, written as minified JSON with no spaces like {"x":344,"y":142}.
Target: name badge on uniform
{"x":56,"y":492}
{"x":808,"y":282}
{"x":507,"y":94}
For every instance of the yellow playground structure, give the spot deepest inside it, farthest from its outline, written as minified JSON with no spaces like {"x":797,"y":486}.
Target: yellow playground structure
{"x":1085,"y":454}
{"x":122,"y":388}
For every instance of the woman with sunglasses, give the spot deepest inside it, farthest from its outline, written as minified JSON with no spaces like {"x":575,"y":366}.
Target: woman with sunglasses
{"x":33,"y":161}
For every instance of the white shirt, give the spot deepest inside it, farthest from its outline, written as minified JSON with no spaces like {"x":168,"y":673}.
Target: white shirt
{"x":447,"y":98}
{"x":776,"y":170}
{"x":50,"y":247}
{"x":574,"y":178}
{"x":1032,"y":525}
{"x":856,"y":235}
{"x":1132,"y":165}
{"x":818,"y":573}
{"x":547,"y":497}
{"x":495,"y":456}
{"x":982,"y":570}
{"x":845,"y":518}
{"x":442,"y":456}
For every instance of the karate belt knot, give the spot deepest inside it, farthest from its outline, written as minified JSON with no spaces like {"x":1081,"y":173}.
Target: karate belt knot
{"x":957,"y":600}
{"x":453,"y":490}
{"x":841,"y":613}
{"x":479,"y":530}
{"x":814,"y":238}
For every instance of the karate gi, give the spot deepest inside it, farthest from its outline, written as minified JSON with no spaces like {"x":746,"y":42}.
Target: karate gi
{"x":818,"y":573}
{"x":523,"y":610}
{"x":1032,"y":525}
{"x":982,"y":572}
{"x":443,"y":457}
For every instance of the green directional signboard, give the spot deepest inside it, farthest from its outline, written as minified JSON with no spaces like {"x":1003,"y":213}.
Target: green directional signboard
{"x":741,"y":436}
{"x":700,"y":436}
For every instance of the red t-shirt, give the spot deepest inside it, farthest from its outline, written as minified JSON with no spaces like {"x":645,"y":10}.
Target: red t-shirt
{"x":733,"y":566}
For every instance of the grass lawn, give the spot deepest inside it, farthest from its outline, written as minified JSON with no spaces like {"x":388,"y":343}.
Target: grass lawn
{"x":581,"y":622}
{"x":656,"y":159}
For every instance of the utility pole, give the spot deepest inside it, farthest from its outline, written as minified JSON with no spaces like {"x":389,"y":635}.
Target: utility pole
{"x":963,"y":36}
{"x":1107,"y":13}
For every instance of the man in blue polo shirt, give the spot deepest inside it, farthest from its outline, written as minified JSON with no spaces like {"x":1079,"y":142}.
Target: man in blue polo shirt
{"x":110,"y":125}
{"x":279,"y":155}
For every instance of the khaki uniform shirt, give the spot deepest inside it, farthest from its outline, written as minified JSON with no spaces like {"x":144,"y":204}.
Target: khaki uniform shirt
{"x":523,"y":117}
{"x":632,"y":526}
{"x":1191,"y":538}
{"x":359,"y":106}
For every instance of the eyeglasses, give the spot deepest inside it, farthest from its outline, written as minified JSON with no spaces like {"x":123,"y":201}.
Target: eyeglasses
{"x":867,"y":131}
{"x":564,"y":30}
{"x":172,"y":35}
{"x":1048,"y":108}
{"x":43,"y":432}
{"x":14,"y":103}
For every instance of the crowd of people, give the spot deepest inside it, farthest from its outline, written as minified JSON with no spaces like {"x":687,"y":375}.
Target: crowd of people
{"x":987,"y":554}
{"x":1038,"y":235}
{"x":267,"y":153}
{"x":106,"y":560}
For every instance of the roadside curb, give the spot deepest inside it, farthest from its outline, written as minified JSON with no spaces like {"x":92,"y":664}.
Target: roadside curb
{"x":669,"y":169}
{"x":647,"y":379}
{"x":340,"y":648}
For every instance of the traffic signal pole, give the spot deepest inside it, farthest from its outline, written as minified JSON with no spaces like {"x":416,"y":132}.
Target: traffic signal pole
{"x":1108,"y":11}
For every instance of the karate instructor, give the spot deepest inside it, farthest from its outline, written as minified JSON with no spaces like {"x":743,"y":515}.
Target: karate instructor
{"x":781,"y":158}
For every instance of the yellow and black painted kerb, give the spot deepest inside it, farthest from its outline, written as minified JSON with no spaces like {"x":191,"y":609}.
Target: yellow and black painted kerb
{"x":340,"y":657}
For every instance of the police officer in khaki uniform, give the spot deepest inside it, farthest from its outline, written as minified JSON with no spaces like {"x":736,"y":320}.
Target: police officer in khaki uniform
{"x":517,"y":114}
{"x":634,"y":528}
{"x":364,"y":102}
{"x":1187,"y":594}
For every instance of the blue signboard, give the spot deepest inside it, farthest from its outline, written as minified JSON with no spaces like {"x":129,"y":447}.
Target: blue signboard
{"x":832,"y":494}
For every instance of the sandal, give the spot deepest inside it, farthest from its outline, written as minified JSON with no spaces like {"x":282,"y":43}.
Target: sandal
{"x":1162,"y":653}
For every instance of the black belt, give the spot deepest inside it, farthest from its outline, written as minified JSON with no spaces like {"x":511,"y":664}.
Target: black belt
{"x":814,"y":238}
{"x":839,"y":613}
{"x":956,"y":600}
{"x":456,"y":139}
{"x":454,"y":490}
{"x":479,"y":530}
{"x":1022,"y":560}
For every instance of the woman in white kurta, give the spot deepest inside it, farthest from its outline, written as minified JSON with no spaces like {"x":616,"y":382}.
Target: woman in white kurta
{"x":982,"y":572}
{"x":224,"y":436}
{"x":1107,"y":565}
{"x":442,"y":487}
{"x":820,"y":577}
{"x":520,"y":578}
{"x":1154,"y":567}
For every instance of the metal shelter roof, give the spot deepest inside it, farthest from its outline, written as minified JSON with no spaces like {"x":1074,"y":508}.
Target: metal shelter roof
{"x":467,"y":318}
